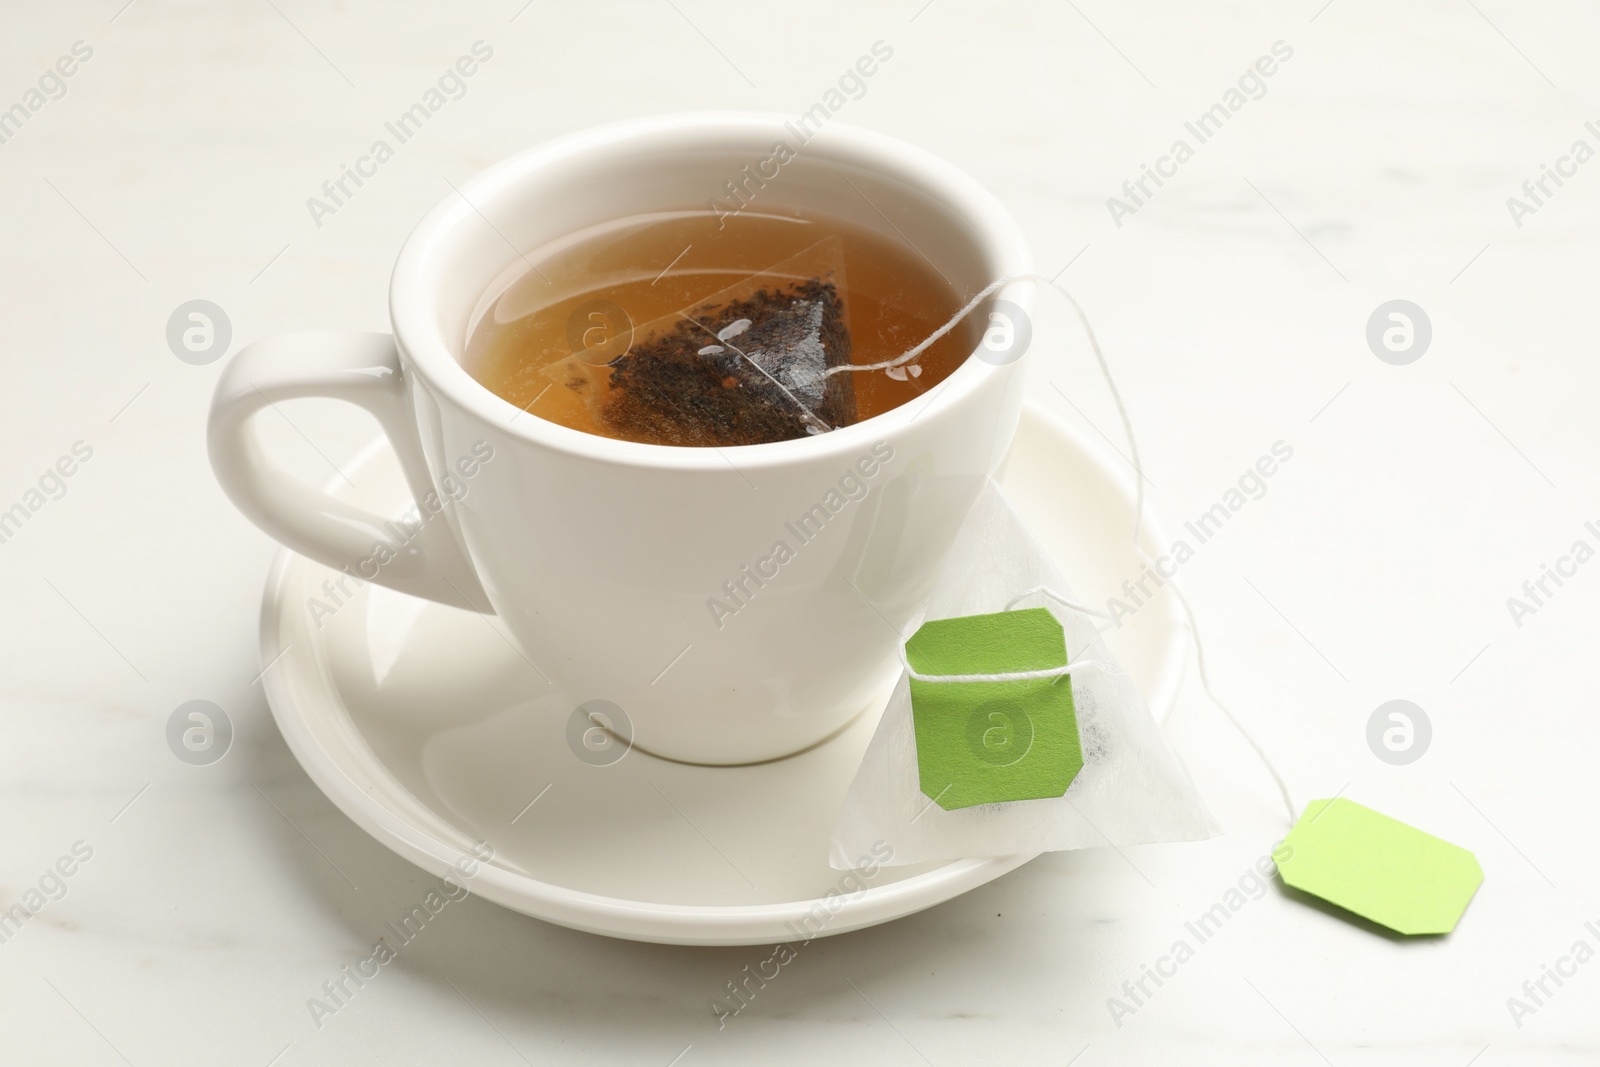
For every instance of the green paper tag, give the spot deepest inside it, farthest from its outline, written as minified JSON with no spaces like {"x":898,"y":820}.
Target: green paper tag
{"x":989,"y":742}
{"x":1378,"y":867}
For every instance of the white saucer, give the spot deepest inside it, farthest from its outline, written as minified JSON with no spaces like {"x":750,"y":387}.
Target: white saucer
{"x":429,"y":730}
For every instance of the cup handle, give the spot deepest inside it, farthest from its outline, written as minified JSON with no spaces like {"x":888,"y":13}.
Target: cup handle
{"x":361,"y":369}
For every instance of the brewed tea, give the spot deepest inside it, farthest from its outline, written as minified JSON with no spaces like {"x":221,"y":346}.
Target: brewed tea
{"x":683,"y":328}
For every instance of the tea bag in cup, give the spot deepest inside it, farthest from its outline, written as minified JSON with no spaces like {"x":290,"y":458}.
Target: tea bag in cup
{"x":745,"y":365}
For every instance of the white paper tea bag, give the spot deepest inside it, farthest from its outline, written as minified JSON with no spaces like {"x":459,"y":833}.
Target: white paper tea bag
{"x":1130,"y":789}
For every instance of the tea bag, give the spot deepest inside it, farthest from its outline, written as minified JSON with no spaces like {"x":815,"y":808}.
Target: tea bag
{"x":1120,"y":784}
{"x":746,"y":365}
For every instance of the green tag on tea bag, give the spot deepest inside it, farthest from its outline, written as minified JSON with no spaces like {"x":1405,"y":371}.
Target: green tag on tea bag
{"x":984,"y":742}
{"x":1378,"y":867}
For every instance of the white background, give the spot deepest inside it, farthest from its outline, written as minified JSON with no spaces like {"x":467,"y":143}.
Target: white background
{"x":1233,"y":307}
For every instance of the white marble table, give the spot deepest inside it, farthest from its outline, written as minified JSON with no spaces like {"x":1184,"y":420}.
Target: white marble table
{"x":1375,"y":165}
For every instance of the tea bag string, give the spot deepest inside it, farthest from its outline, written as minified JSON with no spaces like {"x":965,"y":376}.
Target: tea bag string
{"x":1021,"y":676}
{"x":1138,"y":513}
{"x":1188,"y":610}
{"x":1094,"y":345}
{"x":1045,"y":590}
{"x":1007,"y":676}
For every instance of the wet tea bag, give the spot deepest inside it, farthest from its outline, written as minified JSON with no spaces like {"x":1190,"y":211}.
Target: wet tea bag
{"x":745,"y":365}
{"x":1012,"y":728}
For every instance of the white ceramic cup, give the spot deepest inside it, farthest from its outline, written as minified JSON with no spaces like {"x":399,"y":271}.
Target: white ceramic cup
{"x":606,"y":559}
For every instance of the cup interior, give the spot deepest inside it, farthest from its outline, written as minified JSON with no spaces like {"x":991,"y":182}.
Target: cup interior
{"x":479,"y":235}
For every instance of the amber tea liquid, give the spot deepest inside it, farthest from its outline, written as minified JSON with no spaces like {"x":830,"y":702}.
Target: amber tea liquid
{"x":548,"y":340}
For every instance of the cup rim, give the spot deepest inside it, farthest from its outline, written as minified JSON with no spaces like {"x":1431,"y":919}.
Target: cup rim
{"x":414,"y":289}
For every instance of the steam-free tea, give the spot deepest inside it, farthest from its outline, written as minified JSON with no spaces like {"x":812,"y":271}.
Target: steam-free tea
{"x":690,"y":328}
